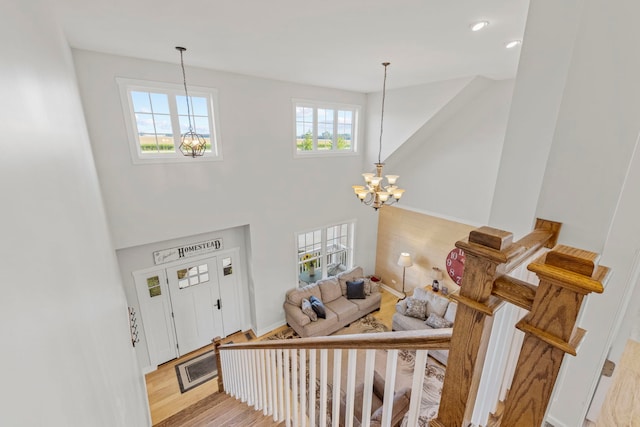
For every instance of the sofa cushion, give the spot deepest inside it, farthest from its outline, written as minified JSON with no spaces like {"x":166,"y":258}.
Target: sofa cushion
{"x":416,"y":308}
{"x":406,"y":323}
{"x":355,"y":290}
{"x":330,"y":289}
{"x":308,"y":310}
{"x":322,"y":326}
{"x":296,"y":295}
{"x":370,"y":303}
{"x":436,"y":303}
{"x":349,"y":275}
{"x":401,"y":306}
{"x":450,"y":314}
{"x":342,"y":307}
{"x":318,"y":307}
{"x":437,"y":322}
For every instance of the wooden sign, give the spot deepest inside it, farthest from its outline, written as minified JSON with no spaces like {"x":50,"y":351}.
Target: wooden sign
{"x":186,"y":251}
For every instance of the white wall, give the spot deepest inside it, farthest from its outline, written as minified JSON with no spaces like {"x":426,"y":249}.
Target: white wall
{"x":259,"y":183}
{"x":406,"y":110}
{"x":597,"y":99}
{"x":67,"y":356}
{"x":449,"y":165}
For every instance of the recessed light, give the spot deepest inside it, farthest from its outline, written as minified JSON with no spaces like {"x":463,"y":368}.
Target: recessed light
{"x":479,"y":25}
{"x":512,"y":44}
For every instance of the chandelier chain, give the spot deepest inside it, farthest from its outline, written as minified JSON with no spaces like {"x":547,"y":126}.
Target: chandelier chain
{"x":186,"y":93}
{"x":384,"y":93}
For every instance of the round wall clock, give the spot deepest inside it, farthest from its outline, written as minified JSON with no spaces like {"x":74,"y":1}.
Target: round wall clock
{"x":455,"y":265}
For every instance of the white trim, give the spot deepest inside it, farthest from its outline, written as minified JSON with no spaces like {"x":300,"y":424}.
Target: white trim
{"x":391,"y":290}
{"x":270,"y":328}
{"x":125,"y":85}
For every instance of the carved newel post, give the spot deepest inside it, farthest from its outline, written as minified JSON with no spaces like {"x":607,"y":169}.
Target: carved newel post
{"x":217,"y":342}
{"x":566,"y":276}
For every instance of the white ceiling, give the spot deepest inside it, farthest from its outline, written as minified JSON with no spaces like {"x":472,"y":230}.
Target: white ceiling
{"x":332,"y":43}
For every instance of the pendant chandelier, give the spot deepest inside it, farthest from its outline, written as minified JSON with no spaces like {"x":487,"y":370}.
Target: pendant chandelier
{"x":192,"y":144}
{"x":376,"y":192}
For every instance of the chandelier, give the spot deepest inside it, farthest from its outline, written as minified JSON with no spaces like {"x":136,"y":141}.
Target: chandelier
{"x":192,"y":144}
{"x":376,"y":192}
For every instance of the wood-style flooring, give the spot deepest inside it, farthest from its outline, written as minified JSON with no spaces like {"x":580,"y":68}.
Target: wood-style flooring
{"x":203,"y":404}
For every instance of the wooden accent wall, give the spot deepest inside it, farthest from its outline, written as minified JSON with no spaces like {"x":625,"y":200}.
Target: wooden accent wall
{"x":427,"y":238}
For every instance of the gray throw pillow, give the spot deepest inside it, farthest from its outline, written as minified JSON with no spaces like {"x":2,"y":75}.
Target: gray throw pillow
{"x":318,"y":307}
{"x":416,"y":308}
{"x":437,"y":322}
{"x":308,"y":310}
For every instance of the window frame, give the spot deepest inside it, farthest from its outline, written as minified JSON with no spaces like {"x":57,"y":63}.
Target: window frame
{"x":351,"y":233}
{"x":315,"y":152}
{"x":126,"y":86}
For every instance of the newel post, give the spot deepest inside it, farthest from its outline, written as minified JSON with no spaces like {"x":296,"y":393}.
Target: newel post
{"x":566,"y":276}
{"x":217,"y":341}
{"x":486,"y":249}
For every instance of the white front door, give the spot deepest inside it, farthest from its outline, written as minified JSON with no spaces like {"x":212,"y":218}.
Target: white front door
{"x":155,"y":309}
{"x":196,"y":302}
{"x":232,"y":308}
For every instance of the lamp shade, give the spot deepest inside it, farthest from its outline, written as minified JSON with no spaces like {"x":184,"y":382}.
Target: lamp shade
{"x":405,"y":260}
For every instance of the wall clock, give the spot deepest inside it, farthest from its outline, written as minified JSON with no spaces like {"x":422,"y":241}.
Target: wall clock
{"x":455,"y":265}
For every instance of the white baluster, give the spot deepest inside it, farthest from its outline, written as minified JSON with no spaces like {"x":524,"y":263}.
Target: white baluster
{"x":271,"y":377}
{"x":337,"y":370}
{"x":351,"y":387}
{"x":280,"y":386}
{"x":248,"y":378}
{"x":274,"y":384}
{"x":294,"y":385}
{"x":303,"y":387}
{"x":416,"y":387}
{"x":323,"y":387}
{"x":368,"y":387}
{"x":312,"y":388}
{"x":256,"y":380}
{"x":287,"y":389}
{"x":389,"y":385}
{"x":263,"y":381}
{"x":241,"y":378}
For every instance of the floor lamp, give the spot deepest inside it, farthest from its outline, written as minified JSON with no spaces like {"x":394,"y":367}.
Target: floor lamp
{"x":404,"y":261}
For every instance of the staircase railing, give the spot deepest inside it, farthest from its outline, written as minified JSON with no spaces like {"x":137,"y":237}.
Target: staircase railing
{"x":278,"y":376}
{"x":272,"y":375}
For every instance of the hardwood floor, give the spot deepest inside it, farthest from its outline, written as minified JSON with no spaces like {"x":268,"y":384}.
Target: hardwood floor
{"x":201,"y":405}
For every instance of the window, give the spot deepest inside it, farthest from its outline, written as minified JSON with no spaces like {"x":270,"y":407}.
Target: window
{"x":156,"y":117}
{"x":328,"y":250}
{"x":191,"y":276}
{"x":325,"y":128}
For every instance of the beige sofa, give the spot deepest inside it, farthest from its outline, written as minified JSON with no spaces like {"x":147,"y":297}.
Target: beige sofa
{"x":437,"y":304}
{"x":340,"y":310}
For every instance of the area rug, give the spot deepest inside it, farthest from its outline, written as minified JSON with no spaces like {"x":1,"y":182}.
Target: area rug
{"x":196,"y":371}
{"x":364,"y":325}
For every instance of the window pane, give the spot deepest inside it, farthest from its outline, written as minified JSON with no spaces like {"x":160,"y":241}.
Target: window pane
{"x":141,"y":103}
{"x":199,"y":105}
{"x":163,"y":124}
{"x":325,"y":129}
{"x":304,"y":128}
{"x":201,"y":125}
{"x":160,"y":103}
{"x":145,"y":124}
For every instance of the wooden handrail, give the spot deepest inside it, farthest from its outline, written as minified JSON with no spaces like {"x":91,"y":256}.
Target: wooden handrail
{"x":428,"y":339}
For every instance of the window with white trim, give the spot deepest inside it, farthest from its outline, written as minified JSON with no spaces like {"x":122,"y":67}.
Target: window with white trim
{"x":326,"y":251}
{"x":156,"y":117}
{"x":323,"y":128}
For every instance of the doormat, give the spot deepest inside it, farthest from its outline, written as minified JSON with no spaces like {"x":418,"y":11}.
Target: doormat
{"x":196,"y":371}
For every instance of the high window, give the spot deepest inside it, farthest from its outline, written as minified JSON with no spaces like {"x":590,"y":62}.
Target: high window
{"x":325,"y":128}
{"x":326,"y":251}
{"x":156,"y":117}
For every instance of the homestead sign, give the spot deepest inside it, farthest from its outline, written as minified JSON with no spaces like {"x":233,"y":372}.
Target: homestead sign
{"x":192,"y":249}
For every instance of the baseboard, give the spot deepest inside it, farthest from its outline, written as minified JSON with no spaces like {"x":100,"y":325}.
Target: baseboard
{"x":553,"y":422}
{"x":391,"y":290}
{"x":148,"y":369}
{"x":270,"y":328}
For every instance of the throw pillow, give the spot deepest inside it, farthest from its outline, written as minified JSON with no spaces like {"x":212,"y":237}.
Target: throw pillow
{"x":416,"y":308}
{"x":437,"y":322}
{"x":308,"y":310}
{"x":437,"y":305}
{"x":318,"y":307}
{"x":355,"y":290}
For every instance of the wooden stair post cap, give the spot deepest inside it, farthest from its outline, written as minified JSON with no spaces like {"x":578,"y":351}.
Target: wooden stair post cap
{"x":491,"y":238}
{"x":572,"y":259}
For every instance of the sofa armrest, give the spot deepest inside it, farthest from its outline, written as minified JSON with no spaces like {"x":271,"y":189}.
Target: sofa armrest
{"x":295,"y":314}
{"x":401,"y":306}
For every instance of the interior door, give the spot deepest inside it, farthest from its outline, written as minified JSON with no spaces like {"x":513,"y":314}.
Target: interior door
{"x":155,"y":310}
{"x":195,"y":299}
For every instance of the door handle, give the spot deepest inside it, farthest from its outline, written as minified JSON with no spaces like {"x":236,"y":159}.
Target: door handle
{"x":219,"y":304}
